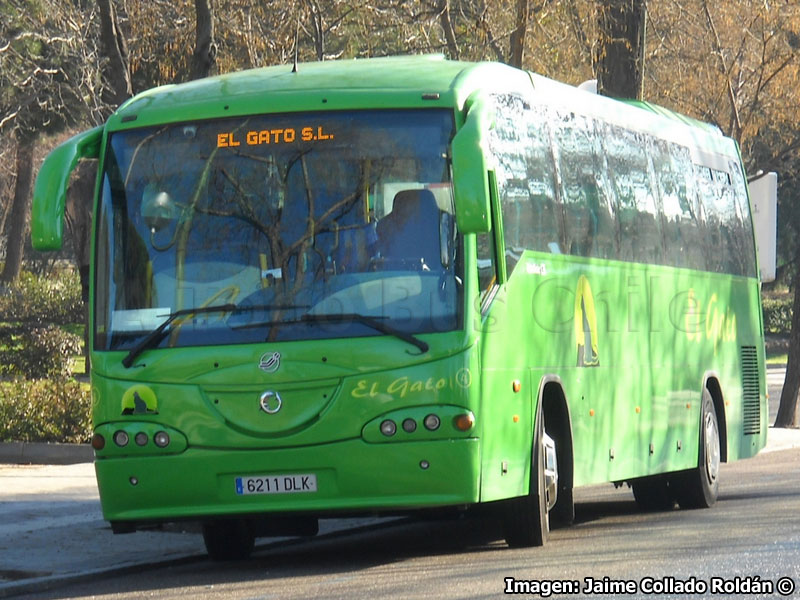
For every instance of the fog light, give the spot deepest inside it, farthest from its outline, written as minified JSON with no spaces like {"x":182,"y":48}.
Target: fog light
{"x":121,"y":439}
{"x":161,"y":439}
{"x":140,"y":438}
{"x":409,"y":425}
{"x":98,"y":441}
{"x":432,"y":422}
{"x":464,"y":422}
{"x":388,"y":428}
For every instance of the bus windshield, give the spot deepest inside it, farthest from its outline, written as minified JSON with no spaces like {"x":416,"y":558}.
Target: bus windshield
{"x":301,"y":226}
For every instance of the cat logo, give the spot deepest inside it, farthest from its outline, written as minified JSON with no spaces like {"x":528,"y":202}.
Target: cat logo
{"x":270,"y":362}
{"x":139,"y":400}
{"x":585,"y":324}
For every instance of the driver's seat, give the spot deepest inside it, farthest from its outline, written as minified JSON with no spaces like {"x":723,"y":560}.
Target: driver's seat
{"x":410,"y":233}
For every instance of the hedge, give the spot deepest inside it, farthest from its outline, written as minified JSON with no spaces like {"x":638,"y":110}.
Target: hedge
{"x":45,"y":410}
{"x":777,"y":313}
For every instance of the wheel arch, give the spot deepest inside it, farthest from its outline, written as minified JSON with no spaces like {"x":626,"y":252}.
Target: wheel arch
{"x":552,"y":402}
{"x":712,"y":384}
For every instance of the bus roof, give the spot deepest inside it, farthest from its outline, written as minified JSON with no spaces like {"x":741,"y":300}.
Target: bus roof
{"x":389,"y":82}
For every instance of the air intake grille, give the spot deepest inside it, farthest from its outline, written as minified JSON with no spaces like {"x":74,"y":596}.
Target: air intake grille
{"x":751,"y":391}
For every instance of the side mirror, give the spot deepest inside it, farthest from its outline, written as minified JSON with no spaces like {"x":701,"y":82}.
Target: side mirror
{"x":50,"y":191}
{"x":764,"y":195}
{"x":470,"y":168}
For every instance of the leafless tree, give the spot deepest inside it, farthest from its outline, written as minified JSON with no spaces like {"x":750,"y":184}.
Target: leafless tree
{"x":204,"y":59}
{"x":621,"y":50}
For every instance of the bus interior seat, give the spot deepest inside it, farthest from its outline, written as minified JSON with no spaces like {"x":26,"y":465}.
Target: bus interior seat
{"x":411,"y":231}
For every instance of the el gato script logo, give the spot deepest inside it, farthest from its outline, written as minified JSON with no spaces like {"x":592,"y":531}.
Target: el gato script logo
{"x":404,"y":385}
{"x":712,"y":322}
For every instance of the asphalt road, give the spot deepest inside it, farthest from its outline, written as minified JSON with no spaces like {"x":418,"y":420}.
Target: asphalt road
{"x":750,"y":538}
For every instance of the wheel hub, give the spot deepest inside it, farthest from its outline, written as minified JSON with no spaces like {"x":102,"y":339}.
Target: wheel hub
{"x":712,"y":448}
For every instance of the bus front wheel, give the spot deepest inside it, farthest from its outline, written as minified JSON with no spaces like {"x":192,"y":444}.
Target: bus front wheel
{"x":525,"y":519}
{"x":698,"y":487}
{"x":228,"y":539}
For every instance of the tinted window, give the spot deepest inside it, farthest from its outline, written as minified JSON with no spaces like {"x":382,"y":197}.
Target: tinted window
{"x":683,"y":239}
{"x":520,"y":143}
{"x":588,"y":221}
{"x":637,"y":210}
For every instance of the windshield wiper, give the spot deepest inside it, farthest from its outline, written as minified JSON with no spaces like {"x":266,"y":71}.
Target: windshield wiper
{"x":372,"y":322}
{"x":155,"y":336}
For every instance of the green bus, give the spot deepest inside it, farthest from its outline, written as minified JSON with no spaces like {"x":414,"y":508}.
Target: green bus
{"x":393,"y":285}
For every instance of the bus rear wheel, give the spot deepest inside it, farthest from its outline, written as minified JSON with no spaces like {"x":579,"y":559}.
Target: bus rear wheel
{"x":229,"y":539}
{"x":525,"y":519}
{"x":698,"y":487}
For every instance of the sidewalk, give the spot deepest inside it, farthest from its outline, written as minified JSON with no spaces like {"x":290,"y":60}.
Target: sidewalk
{"x":52,"y":530}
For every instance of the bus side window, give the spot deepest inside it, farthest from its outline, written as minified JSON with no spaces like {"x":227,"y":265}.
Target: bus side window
{"x":730,"y":225}
{"x":508,"y":141}
{"x":541,"y":231}
{"x":743,"y":228}
{"x":713,"y":248}
{"x":683,"y":243}
{"x":588,"y":222}
{"x":525,"y":173}
{"x":636,"y":206}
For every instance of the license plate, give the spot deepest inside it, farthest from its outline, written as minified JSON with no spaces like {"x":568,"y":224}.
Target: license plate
{"x":276,"y":484}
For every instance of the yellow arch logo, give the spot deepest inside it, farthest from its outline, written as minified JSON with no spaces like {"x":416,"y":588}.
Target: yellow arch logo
{"x":585,"y":324}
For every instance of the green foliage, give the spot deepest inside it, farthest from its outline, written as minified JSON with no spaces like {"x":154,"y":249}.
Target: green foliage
{"x":38,"y":299}
{"x":45,"y":411}
{"x":37,"y":352}
{"x":37,"y":313}
{"x":777,"y":313}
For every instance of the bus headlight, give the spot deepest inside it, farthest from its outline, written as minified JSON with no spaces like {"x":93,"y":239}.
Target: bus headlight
{"x":432,"y":422}
{"x":388,"y":428}
{"x":161,"y":439}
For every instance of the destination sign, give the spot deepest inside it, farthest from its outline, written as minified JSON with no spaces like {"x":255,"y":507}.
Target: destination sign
{"x":275,"y":136}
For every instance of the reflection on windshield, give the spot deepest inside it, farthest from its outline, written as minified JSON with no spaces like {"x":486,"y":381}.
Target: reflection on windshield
{"x":285,"y":217}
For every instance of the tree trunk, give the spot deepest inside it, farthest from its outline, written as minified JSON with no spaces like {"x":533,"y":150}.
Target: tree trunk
{"x":447,"y":27}
{"x":116,"y":68}
{"x":620,"y":64}
{"x":318,"y":31}
{"x":204,"y":59}
{"x":518,"y":35}
{"x":18,"y":219}
{"x":787,"y":409}
{"x":78,"y":218}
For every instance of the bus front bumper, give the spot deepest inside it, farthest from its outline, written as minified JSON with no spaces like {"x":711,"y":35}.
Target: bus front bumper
{"x":348,"y":476}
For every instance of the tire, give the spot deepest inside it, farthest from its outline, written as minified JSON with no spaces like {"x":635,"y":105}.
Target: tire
{"x":699,"y":487}
{"x":653,"y":493}
{"x":232,"y":539}
{"x":525,"y":519}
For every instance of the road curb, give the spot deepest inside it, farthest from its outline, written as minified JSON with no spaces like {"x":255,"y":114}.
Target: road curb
{"x":49,"y":582}
{"x":34,"y":453}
